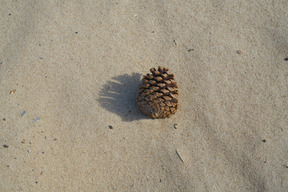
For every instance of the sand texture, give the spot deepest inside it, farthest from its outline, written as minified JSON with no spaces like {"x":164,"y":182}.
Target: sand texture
{"x":69,"y":72}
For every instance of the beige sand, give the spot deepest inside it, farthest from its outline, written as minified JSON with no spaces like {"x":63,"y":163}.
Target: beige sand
{"x":77,"y":64}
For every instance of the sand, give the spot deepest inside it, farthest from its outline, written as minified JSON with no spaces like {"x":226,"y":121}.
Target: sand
{"x":76,"y":65}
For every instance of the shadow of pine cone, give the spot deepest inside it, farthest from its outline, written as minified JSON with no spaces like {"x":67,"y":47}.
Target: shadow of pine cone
{"x":119,"y":96}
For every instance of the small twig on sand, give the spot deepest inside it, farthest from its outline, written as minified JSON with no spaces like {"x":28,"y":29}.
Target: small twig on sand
{"x":179,"y":156}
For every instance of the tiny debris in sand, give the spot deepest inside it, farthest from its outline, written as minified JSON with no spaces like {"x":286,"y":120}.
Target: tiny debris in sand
{"x":29,"y":151}
{"x":175,"y":126}
{"x":5,"y":146}
{"x":179,"y":156}
{"x":36,"y":119}
{"x":239,"y":52}
{"x":12,"y":91}
{"x":24,"y":141}
{"x":110,"y":127}
{"x":174,"y":41}
{"x":23,"y":113}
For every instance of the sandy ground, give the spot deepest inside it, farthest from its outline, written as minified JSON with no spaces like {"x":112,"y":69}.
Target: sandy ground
{"x":76,"y":66}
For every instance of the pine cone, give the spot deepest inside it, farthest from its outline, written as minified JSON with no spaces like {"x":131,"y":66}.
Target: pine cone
{"x":158,"y":95}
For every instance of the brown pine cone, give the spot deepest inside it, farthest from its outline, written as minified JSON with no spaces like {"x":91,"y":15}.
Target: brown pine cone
{"x":158,"y":95}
